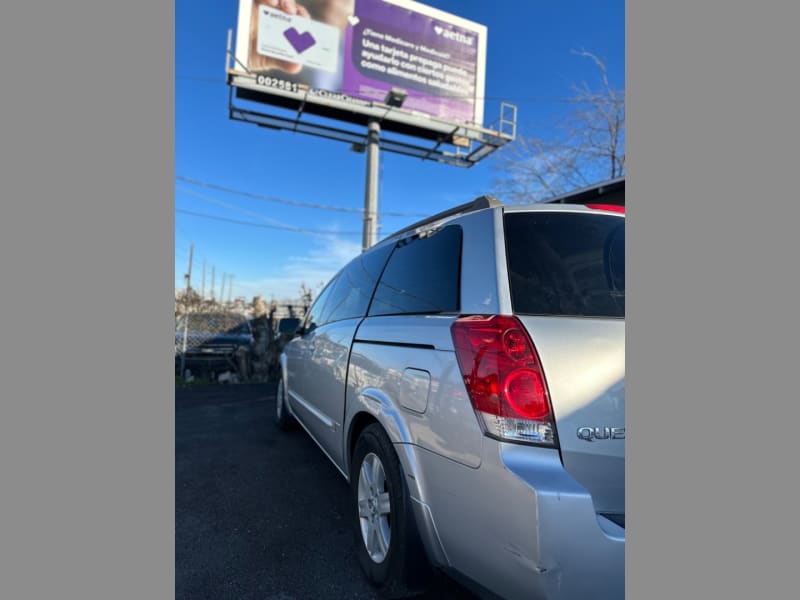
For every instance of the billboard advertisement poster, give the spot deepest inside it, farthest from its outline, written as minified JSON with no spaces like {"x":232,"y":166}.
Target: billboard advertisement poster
{"x":361,"y":49}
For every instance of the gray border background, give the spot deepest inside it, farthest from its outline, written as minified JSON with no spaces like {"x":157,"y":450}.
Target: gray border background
{"x":86,"y":255}
{"x":712,"y":134}
{"x":86,"y":247}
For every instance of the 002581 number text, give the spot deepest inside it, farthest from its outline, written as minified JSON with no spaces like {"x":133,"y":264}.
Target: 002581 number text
{"x":276,"y":83}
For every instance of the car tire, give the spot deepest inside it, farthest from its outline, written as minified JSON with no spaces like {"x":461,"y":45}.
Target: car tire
{"x":283,"y":419}
{"x":389,"y":550}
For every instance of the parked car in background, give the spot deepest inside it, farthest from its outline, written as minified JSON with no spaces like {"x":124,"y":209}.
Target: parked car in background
{"x":466,"y":376}
{"x":215,"y":342}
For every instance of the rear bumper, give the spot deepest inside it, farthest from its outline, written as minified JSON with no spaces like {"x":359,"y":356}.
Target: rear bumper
{"x":577,"y":552}
{"x":519,"y":525}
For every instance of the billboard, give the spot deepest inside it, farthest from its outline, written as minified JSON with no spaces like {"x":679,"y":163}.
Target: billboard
{"x":361,"y":49}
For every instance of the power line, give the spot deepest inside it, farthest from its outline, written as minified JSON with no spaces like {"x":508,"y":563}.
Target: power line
{"x":249,"y":213}
{"x":265,"y":226}
{"x":277,"y":200}
{"x":230,"y":207}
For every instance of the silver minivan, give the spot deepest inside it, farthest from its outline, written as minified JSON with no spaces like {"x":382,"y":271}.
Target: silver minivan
{"x":467,"y":377}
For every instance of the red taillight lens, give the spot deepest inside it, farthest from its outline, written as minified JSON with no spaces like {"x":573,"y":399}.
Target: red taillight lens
{"x":504,"y":378}
{"x":524,"y":392}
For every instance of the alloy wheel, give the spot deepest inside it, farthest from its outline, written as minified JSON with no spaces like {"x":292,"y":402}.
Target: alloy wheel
{"x":374,"y":508}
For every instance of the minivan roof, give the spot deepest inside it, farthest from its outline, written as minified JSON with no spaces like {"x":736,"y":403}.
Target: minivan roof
{"x":611,"y":192}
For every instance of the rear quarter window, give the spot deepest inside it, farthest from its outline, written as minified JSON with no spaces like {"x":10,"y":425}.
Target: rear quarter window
{"x":566,"y":264}
{"x":422,"y":276}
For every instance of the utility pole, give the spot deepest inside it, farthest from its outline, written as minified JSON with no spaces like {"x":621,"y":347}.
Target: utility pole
{"x":189,"y":271}
{"x":230,"y":289}
{"x":222,"y":292}
{"x":203,"y":288}
{"x":186,"y":311}
{"x":371,"y":193}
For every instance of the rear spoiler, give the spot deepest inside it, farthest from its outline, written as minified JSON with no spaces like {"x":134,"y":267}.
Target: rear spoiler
{"x":477,"y":204}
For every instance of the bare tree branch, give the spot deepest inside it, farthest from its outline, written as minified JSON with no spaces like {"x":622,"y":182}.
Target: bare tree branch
{"x":589,"y":146}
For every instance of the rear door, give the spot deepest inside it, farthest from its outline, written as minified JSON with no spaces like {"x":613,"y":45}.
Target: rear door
{"x":567,"y":283}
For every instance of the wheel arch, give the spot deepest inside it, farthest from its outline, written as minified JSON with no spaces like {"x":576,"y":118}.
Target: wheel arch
{"x":358,"y":423}
{"x":364,"y":416}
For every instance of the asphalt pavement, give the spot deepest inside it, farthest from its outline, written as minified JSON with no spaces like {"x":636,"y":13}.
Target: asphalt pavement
{"x":260,"y":513}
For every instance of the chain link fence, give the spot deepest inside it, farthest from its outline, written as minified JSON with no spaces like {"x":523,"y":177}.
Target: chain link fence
{"x":231,"y":342}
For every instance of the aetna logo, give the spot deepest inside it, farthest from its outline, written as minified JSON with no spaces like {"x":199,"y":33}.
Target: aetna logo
{"x":454,"y":35}
{"x":279,"y":16}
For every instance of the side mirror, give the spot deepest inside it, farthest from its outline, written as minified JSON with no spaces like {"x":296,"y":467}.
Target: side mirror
{"x":289,"y":325}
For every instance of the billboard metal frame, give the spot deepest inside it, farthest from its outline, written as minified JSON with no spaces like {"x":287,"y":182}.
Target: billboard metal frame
{"x":410,"y":133}
{"x":442,"y":141}
{"x":367,"y":125}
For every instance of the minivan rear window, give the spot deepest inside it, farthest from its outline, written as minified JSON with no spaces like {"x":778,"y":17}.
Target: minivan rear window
{"x":566,"y":264}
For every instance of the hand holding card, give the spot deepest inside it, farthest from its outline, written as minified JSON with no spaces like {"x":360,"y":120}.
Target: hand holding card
{"x":297,"y":39}
{"x":260,"y":62}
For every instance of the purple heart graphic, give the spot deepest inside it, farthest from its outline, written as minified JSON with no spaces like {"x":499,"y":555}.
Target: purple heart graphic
{"x":299,"y":41}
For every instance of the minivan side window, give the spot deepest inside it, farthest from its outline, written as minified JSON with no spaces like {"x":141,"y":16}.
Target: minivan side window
{"x":422,"y":276}
{"x":354,"y":286}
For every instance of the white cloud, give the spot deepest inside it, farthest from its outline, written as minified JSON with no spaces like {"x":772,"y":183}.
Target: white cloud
{"x":325,"y":257}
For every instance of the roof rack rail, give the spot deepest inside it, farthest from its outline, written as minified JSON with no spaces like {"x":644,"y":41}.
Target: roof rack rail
{"x":477,"y":204}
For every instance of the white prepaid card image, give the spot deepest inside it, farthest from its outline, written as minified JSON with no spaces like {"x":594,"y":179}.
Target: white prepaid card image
{"x":297,"y":39}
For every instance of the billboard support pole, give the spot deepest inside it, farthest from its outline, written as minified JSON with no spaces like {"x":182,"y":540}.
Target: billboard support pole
{"x":371,"y":194}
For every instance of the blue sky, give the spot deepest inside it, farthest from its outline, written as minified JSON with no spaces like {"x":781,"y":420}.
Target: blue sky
{"x":529,"y":63}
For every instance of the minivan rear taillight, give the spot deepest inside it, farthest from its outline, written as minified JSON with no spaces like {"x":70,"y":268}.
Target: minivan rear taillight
{"x":504,"y":378}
